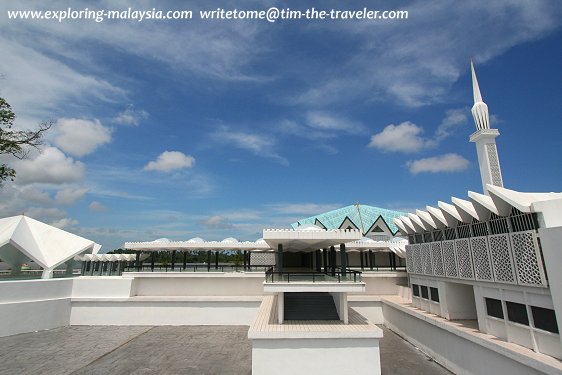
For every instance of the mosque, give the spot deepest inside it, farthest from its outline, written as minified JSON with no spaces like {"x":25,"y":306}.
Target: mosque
{"x":474,"y":283}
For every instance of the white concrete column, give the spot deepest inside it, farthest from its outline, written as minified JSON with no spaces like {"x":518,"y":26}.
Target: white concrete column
{"x":340,"y":301}
{"x":490,"y":171}
{"x":550,"y":233}
{"x":47,"y":274}
{"x":281,"y":307}
{"x":344,"y":314}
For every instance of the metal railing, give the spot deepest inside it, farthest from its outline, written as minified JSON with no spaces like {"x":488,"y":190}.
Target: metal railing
{"x":380,"y":268}
{"x":194,"y":268}
{"x":272,"y":276}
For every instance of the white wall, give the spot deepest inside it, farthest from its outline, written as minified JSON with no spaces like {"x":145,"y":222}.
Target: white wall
{"x":160,"y":312}
{"x":370,"y":309}
{"x":381,"y":283}
{"x":340,"y":301}
{"x":457,"y":301}
{"x":462,"y":353}
{"x":315,"y":356}
{"x":167,"y":299}
{"x":101,"y":287}
{"x":199,"y":284}
{"x":525,"y":335}
{"x":33,"y":305}
{"x":551,"y":243}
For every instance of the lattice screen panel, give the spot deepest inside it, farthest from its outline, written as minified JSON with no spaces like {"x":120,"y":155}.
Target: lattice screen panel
{"x":437,"y":259}
{"x":528,"y":262}
{"x":416,"y":258}
{"x":449,"y":259}
{"x":409,"y":265}
{"x":502,"y":260}
{"x":262,"y":259}
{"x":481,"y":258}
{"x":426,"y":259}
{"x":464,"y":261}
{"x":495,"y":170}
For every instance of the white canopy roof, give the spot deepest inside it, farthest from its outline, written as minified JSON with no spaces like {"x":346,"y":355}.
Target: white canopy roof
{"x":23,"y":238}
{"x":397,"y":245}
{"x":109,"y":257}
{"x":309,"y":237}
{"x":500,"y":201}
{"x":197,"y":244}
{"x":303,"y":238}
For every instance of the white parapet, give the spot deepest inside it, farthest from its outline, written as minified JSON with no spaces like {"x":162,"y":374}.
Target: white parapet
{"x":300,"y":287}
{"x":301,"y":347}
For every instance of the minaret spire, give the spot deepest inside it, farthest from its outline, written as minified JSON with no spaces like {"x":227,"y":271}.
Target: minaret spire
{"x":485,"y":139}
{"x":479,"y":109}
{"x":475,"y":87}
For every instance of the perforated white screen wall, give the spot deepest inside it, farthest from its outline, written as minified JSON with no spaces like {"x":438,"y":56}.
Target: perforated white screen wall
{"x":481,"y":258}
{"x":437,"y":259}
{"x":528,"y":262}
{"x":502,"y":262}
{"x":464,"y":260}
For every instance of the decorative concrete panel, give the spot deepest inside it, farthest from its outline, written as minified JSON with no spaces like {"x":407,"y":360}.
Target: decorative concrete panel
{"x":481,"y":258}
{"x":449,"y":258}
{"x":464,"y":260}
{"x":416,"y":257}
{"x":528,"y":262}
{"x":426,"y":259}
{"x":437,"y":259}
{"x":262,"y":259}
{"x":502,"y":260}
{"x":409,"y":263}
{"x":495,"y":170}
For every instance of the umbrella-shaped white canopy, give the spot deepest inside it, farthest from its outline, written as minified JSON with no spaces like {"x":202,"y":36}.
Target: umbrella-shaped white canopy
{"x":23,"y":238}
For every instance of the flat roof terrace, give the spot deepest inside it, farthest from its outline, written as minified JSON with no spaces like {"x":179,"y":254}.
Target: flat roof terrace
{"x":165,"y":350}
{"x":266,"y":325}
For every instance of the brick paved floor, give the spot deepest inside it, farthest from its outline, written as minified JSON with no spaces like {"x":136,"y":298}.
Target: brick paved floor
{"x":399,"y":357}
{"x":165,"y":350}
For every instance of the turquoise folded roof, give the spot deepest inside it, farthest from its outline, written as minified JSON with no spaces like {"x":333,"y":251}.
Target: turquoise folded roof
{"x":362,"y":216}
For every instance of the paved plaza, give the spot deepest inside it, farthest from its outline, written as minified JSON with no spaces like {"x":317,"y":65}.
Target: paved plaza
{"x":164,"y":350}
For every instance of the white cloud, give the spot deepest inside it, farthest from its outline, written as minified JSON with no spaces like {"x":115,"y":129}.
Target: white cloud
{"x":295,"y":128}
{"x":64,"y":223}
{"x":38,"y":86}
{"x":414,"y":62}
{"x":260,"y":145}
{"x":216,"y":222}
{"x":169,"y":161}
{"x":49,"y":166}
{"x":330,"y":122}
{"x":97,"y":207}
{"x":453,"y":119}
{"x":405,"y":137}
{"x":302,"y":208}
{"x":80,"y":137}
{"x":130,"y":116}
{"x":33,"y":194}
{"x":437,"y":164}
{"x":70,"y":195}
{"x":49,"y":214}
{"x":35,"y":203}
{"x":220,"y":51}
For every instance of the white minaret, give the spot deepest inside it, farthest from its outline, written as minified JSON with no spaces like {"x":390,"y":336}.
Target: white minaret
{"x":485,"y":139}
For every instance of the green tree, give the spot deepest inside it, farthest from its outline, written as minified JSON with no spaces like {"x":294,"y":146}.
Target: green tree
{"x":16,"y":142}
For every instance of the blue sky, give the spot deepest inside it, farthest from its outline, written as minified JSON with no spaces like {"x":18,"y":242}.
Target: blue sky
{"x":214,"y":129}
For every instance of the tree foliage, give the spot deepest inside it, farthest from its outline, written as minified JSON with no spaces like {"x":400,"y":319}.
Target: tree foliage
{"x":16,"y":143}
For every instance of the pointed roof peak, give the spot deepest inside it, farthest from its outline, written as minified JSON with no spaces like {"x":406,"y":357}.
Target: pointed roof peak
{"x":475,"y":87}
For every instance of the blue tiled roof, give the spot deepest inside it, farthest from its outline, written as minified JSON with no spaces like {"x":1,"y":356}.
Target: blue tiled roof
{"x":361,"y":215}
